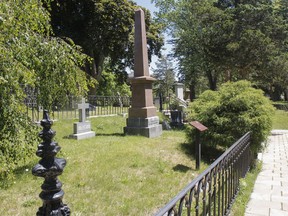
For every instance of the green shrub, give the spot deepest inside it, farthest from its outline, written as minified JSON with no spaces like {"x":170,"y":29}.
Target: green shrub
{"x":230,"y":112}
{"x":18,"y":138}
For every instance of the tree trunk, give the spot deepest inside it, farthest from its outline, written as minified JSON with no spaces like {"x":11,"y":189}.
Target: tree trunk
{"x":286,"y":94}
{"x":161,"y":102}
{"x":228,"y":76}
{"x":98,"y":65}
{"x":94,"y":69}
{"x":276,"y":93}
{"x":192,"y":92}
{"x":212,"y":80}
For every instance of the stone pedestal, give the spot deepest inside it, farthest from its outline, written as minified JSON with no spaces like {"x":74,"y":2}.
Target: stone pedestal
{"x":82,"y":130}
{"x":142,"y":118}
{"x":148,"y":127}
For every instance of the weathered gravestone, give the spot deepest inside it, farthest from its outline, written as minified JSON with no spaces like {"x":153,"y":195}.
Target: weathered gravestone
{"x":82,"y":129}
{"x":142,"y":119}
{"x":179,"y":90}
{"x":157,"y":102}
{"x":176,"y":118}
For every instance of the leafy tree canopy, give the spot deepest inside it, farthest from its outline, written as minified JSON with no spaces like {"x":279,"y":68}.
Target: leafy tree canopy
{"x":29,"y":56}
{"x":109,"y":86}
{"x":105,"y":31}
{"x":165,"y":77}
{"x":229,"y":40}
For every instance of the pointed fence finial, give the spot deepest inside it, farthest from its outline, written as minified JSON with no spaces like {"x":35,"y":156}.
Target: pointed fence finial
{"x":49,"y":168}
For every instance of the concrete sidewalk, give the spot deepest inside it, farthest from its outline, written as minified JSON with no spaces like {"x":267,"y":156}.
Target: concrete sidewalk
{"x":270,"y":194}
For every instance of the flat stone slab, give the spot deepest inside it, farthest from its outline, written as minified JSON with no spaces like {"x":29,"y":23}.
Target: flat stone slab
{"x":81,"y":136}
{"x":270,"y":196}
{"x":149,"y":132}
{"x":277,"y":212}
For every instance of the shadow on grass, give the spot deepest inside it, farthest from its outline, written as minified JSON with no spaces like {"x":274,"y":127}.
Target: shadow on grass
{"x":178,"y":128}
{"x":181,"y":168}
{"x":110,"y":134}
{"x":208,"y":153}
{"x":101,"y":134}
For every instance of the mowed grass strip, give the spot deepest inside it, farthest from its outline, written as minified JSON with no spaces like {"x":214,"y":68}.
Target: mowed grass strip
{"x":109,"y":174}
{"x":280,"y":120}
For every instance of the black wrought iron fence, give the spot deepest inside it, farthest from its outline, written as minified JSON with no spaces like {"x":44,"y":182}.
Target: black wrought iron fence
{"x":98,"y":106}
{"x":214,"y":190}
{"x":103,"y":105}
{"x":32,"y":108}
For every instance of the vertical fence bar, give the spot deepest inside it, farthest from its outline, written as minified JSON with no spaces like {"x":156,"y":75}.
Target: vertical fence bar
{"x":219,"y":191}
{"x":226,"y":186}
{"x":204,"y":187}
{"x":215,"y":190}
{"x":210,"y":192}
{"x":197,"y":193}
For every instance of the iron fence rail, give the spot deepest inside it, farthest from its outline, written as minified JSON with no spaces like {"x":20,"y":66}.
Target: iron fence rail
{"x":214,"y":190}
{"x":98,"y":106}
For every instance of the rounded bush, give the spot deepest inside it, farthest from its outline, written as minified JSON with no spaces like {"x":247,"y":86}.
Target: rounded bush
{"x":230,"y":112}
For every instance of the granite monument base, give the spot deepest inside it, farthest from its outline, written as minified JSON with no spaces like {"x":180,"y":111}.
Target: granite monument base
{"x":148,"y":127}
{"x":82,"y":130}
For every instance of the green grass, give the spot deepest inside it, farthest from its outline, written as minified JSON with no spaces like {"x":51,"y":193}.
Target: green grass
{"x":246,"y":188}
{"x":112,"y":174}
{"x":109,"y":174}
{"x":280,"y":120}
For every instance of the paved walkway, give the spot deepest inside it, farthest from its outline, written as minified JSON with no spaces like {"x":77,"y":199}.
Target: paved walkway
{"x":270,"y":194}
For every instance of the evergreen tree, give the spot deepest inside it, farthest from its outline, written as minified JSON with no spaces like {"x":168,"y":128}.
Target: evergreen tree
{"x":165,"y":77}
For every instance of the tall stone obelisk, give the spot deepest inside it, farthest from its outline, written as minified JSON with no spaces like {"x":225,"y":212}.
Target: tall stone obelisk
{"x":142,"y":118}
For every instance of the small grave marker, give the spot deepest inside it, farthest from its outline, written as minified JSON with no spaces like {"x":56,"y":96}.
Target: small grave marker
{"x":199,"y":128}
{"x":82,"y":129}
{"x":82,"y":110}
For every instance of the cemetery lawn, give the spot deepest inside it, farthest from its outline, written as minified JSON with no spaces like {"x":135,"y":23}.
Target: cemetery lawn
{"x":280,"y":120}
{"x":109,"y":174}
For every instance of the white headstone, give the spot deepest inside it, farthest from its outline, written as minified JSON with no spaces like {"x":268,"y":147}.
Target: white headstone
{"x":82,"y":110}
{"x":179,"y":90}
{"x":82,"y":129}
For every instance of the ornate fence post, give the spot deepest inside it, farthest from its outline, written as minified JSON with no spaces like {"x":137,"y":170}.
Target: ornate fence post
{"x":49,"y":168}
